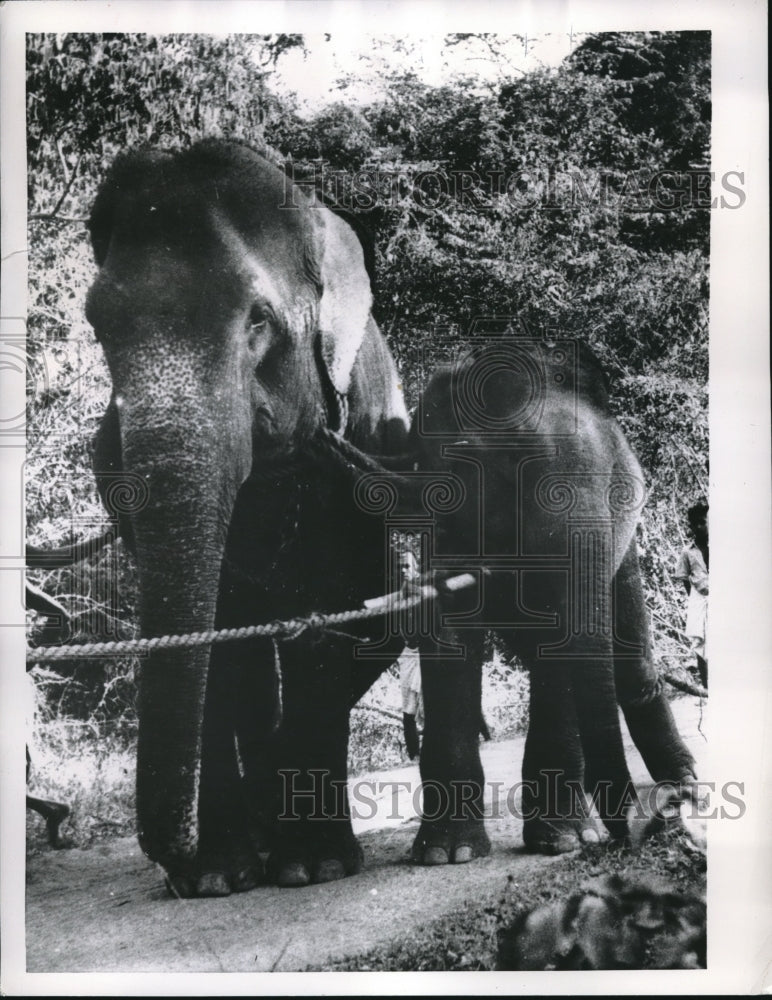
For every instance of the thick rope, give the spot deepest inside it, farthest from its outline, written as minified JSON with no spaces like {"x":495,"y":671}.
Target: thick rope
{"x":291,"y":629}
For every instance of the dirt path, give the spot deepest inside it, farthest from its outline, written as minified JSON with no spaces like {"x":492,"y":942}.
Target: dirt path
{"x":106,"y":909}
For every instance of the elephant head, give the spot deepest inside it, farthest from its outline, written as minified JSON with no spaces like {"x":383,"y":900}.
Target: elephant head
{"x":234,"y":316}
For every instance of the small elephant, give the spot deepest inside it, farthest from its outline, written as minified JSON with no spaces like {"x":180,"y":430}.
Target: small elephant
{"x":234,"y":314}
{"x":549,"y":497}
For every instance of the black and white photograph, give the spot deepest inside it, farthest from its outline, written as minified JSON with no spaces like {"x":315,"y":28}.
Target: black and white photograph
{"x":375,"y":379}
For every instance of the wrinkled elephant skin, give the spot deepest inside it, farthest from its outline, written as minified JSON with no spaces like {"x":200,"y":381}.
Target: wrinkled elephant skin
{"x":235,"y":321}
{"x":548,"y":504}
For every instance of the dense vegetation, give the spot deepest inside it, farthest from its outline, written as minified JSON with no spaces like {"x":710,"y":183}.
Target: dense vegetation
{"x":571,"y":200}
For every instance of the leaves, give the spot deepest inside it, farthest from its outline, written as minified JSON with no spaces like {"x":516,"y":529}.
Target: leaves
{"x":90,"y":95}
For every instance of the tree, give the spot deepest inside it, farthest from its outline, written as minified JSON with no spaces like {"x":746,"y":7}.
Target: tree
{"x":90,"y":95}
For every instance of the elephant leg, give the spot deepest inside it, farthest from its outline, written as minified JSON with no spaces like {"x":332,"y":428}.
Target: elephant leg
{"x":655,"y":734}
{"x":573,"y":750}
{"x":226,"y":860}
{"x":258,"y":716}
{"x":606,"y":776}
{"x":554,"y":817}
{"x":315,"y":841}
{"x":639,"y":688}
{"x":452,"y":829}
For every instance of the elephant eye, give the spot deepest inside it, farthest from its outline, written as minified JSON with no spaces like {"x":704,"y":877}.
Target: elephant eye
{"x":258,"y":319}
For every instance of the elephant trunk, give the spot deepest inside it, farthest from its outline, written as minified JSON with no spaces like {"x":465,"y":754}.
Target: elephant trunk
{"x":180,"y":539}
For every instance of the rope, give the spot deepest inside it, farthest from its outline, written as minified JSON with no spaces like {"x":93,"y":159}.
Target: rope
{"x":328,"y":445}
{"x":329,"y":442}
{"x":291,"y":629}
{"x":325,"y":443}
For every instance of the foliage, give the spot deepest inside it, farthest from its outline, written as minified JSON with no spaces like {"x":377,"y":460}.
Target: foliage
{"x":465,"y":940}
{"x":89,"y":767}
{"x":91,"y":95}
{"x":563,"y":201}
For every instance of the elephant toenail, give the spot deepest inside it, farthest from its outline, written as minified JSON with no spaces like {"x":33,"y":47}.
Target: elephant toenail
{"x":559,"y":845}
{"x":245,"y":879}
{"x":293,"y":874}
{"x":590,"y":836}
{"x":463,"y":854}
{"x":329,"y":871}
{"x":566,"y":843}
{"x":435,"y":856}
{"x":213,"y":884}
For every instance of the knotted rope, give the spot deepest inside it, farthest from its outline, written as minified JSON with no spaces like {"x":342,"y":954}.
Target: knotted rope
{"x":289,"y":630}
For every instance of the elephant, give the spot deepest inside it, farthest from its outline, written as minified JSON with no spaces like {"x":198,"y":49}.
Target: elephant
{"x":235,"y":318}
{"x":548,"y":500}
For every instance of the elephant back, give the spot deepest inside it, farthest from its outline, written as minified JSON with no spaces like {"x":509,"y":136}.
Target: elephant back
{"x":525,"y":425}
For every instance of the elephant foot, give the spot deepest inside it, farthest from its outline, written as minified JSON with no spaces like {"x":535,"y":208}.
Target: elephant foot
{"x":232,"y":867}
{"x":300,"y":861}
{"x":453,"y":843}
{"x":559,"y":836}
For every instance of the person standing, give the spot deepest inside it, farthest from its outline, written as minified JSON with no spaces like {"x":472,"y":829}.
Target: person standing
{"x":692,"y":570}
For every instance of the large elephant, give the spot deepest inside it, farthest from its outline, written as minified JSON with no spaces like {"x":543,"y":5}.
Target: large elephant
{"x":549,"y":498}
{"x":235,"y":319}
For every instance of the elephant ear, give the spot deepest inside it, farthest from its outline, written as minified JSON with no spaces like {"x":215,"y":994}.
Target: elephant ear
{"x":346,"y":300}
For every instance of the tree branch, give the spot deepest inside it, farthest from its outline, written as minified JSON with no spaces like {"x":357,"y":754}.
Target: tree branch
{"x":68,"y":181}
{"x":51,"y":217}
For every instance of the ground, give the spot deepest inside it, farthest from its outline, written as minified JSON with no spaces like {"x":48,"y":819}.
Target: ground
{"x":105,"y":909}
